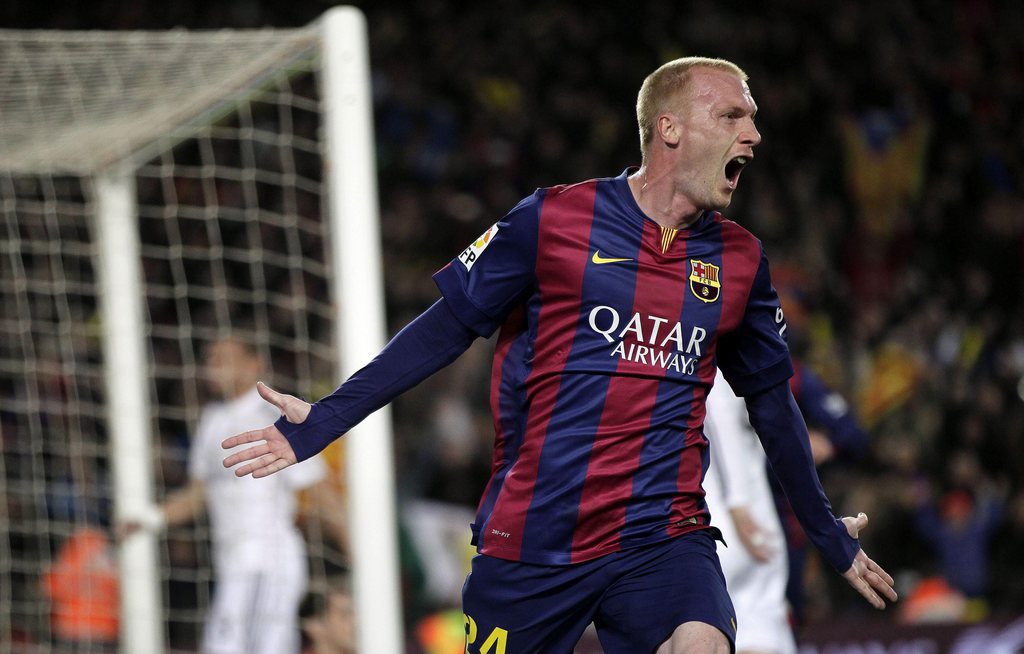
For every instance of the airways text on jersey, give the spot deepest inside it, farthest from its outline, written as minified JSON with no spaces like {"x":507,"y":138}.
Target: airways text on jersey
{"x":650,"y":340}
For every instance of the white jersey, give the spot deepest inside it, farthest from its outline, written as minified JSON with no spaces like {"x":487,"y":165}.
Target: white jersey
{"x":738,"y":477}
{"x":252,"y":520}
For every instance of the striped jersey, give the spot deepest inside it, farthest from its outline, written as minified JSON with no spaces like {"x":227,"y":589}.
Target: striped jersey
{"x":611,"y":329}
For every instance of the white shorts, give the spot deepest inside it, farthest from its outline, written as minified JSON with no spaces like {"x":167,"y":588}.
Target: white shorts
{"x":255,"y":613}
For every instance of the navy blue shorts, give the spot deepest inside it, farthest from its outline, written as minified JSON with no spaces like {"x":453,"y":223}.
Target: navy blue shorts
{"x":636,"y":598}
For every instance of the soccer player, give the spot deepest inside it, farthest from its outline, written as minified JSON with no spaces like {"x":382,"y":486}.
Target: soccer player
{"x":259,"y":555}
{"x":740,"y":500}
{"x":615,"y":299}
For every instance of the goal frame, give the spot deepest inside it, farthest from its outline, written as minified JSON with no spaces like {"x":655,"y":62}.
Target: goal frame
{"x":350,"y":188}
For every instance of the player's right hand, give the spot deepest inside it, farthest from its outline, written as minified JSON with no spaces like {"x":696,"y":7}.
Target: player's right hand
{"x":147,"y":518}
{"x":272,"y":451}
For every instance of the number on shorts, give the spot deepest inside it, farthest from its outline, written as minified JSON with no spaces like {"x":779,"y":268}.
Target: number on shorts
{"x":498,"y":639}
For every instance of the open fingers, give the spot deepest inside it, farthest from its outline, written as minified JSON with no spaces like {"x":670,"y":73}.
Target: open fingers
{"x":880,"y":580}
{"x":267,"y":464}
{"x":871,"y":581}
{"x":877,"y":569}
{"x":243,"y":438}
{"x":248,"y":454}
{"x":254,"y":467}
{"x":271,"y":467}
{"x":865,"y":589}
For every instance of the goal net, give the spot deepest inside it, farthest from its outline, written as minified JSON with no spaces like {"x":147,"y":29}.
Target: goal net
{"x":158,"y":192}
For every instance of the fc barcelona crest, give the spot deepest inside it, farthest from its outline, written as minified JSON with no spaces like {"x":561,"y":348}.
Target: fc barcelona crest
{"x":705,"y":282}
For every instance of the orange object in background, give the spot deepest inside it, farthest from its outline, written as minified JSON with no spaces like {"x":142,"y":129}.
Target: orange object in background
{"x":443,"y":632}
{"x":82,"y":585}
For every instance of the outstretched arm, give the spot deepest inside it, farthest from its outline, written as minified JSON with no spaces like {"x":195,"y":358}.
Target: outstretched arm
{"x":780,"y":426}
{"x":427,"y":344}
{"x":179,"y":507}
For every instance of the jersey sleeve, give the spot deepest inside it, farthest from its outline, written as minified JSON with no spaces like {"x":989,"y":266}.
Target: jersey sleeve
{"x":493,"y":274}
{"x":778,"y":423}
{"x":427,"y":344}
{"x":755,"y":356}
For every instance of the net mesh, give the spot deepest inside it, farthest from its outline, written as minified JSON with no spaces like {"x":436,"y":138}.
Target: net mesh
{"x":54,"y":464}
{"x":224,"y":129}
{"x":77,"y":101}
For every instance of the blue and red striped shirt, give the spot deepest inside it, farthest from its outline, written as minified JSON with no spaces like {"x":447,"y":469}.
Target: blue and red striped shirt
{"x":611,"y":330}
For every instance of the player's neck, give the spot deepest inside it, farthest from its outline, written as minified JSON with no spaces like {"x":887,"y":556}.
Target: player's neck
{"x":657,"y":196}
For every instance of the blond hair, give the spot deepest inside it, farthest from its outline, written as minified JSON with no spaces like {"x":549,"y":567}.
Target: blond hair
{"x":666,"y":84}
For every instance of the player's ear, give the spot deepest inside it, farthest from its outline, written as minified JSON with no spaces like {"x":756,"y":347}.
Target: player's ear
{"x":668,"y":129}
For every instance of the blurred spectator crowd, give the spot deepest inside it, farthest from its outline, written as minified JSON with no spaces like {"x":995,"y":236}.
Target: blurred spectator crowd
{"x":889,"y":192}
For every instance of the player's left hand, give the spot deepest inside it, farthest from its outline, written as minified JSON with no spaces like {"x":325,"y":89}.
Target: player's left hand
{"x":866,"y":576}
{"x":273,"y":451}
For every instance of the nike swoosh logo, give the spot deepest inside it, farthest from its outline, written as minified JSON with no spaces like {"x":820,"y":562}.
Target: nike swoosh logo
{"x":598,"y":259}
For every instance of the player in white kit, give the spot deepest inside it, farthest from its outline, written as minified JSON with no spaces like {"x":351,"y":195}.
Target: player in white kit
{"x":740,"y":501}
{"x":259,"y":555}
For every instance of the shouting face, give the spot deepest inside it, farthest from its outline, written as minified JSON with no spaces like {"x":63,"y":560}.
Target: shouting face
{"x":712,"y":128}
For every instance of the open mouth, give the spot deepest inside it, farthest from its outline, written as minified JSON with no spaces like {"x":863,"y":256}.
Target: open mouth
{"x":734,"y":168}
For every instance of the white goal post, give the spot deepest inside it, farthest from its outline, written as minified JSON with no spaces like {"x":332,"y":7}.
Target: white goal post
{"x":157,"y":190}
